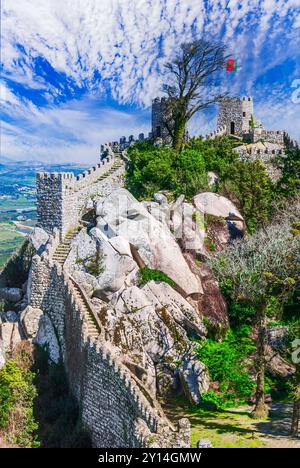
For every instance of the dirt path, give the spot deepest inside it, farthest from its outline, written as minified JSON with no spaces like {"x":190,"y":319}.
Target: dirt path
{"x":234,"y":428}
{"x":275,"y":431}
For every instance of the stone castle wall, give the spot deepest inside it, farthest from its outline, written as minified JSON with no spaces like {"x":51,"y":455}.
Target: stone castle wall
{"x":160,"y":115}
{"x":264,"y":155}
{"x":61,"y":197}
{"x":235,"y":110}
{"x":270,"y":136}
{"x":115,"y":410}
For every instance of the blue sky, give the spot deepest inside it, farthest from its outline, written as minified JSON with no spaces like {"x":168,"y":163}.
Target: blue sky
{"x":77,"y":73}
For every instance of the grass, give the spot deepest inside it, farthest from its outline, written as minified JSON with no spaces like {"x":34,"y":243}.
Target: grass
{"x":10,"y":240}
{"x":15,"y":203}
{"x":230,"y":428}
{"x":225,"y":429}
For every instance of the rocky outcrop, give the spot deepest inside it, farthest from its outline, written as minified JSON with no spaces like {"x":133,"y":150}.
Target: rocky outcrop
{"x":216,"y":205}
{"x":38,"y":238}
{"x":30,"y":319}
{"x":150,"y":327}
{"x":121,"y":214}
{"x":277,"y":365}
{"x":211,"y":304}
{"x":204,"y":443}
{"x":194,"y":378}
{"x":46,"y":338}
{"x":10,"y":336}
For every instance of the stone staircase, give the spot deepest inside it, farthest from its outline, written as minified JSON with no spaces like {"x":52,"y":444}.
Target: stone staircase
{"x":60,"y":256}
{"x":63,"y":249}
{"x":116,"y":165}
{"x":93,"y":323}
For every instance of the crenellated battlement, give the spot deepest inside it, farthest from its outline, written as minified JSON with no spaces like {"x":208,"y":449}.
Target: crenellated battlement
{"x":62,"y":196}
{"x":116,"y":407}
{"x":217,"y":133}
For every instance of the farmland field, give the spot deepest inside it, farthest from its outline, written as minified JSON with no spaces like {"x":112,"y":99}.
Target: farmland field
{"x":10,"y":240}
{"x":18,"y":202}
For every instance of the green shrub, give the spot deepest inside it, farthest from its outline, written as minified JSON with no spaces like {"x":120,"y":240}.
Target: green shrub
{"x":218,"y":154}
{"x":94,"y":265}
{"x":147,"y":274}
{"x":227,"y":365}
{"x":17,"y":394}
{"x":209,"y":244}
{"x":247,"y":184}
{"x":151,"y":169}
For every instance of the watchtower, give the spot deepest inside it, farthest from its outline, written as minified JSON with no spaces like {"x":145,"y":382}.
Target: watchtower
{"x":236,"y":114}
{"x":160,"y":115}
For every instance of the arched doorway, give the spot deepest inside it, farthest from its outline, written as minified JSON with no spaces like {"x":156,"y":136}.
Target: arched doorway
{"x":232,"y":128}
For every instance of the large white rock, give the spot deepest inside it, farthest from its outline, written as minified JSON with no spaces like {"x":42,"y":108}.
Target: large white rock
{"x":30,"y":319}
{"x":2,"y":357}
{"x":46,"y":338}
{"x":121,"y":214}
{"x":116,"y":263}
{"x":195,"y":380}
{"x":163,"y":295}
{"x":10,"y":335}
{"x":216,"y":205}
{"x":38,"y":238}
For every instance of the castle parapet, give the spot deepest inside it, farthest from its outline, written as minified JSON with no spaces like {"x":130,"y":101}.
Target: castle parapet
{"x":60,"y":195}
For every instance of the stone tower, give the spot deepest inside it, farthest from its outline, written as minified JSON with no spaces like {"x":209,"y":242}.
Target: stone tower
{"x":236,"y":113}
{"x":159,"y":116}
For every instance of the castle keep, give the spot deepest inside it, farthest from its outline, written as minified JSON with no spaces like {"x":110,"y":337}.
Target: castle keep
{"x":235,"y":113}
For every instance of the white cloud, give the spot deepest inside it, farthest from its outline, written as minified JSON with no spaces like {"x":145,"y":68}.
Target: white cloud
{"x":127,"y":43}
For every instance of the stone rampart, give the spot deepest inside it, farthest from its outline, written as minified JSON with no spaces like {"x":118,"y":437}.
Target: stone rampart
{"x":61,"y":197}
{"x":115,"y":408}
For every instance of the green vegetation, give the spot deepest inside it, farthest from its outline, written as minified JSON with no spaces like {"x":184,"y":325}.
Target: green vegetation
{"x":289,"y":183}
{"x":228,"y":366}
{"x":246,"y":183}
{"x":94,"y":265}
{"x":15,"y":272}
{"x":151,"y":169}
{"x":262,"y":273}
{"x":17,"y":394}
{"x":10,"y":240}
{"x":147,"y":274}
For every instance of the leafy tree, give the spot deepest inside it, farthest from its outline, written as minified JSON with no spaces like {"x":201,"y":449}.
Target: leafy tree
{"x":218,"y":154}
{"x":247,"y":183}
{"x":289,"y":184}
{"x":151,"y":169}
{"x":191,"y":84}
{"x":17,"y":394}
{"x":257,"y":269}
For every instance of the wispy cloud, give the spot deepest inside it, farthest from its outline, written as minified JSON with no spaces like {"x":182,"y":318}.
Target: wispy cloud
{"x":61,"y":60}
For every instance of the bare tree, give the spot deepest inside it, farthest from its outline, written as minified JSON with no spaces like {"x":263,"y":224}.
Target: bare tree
{"x":191,"y":79}
{"x":264,"y":265}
